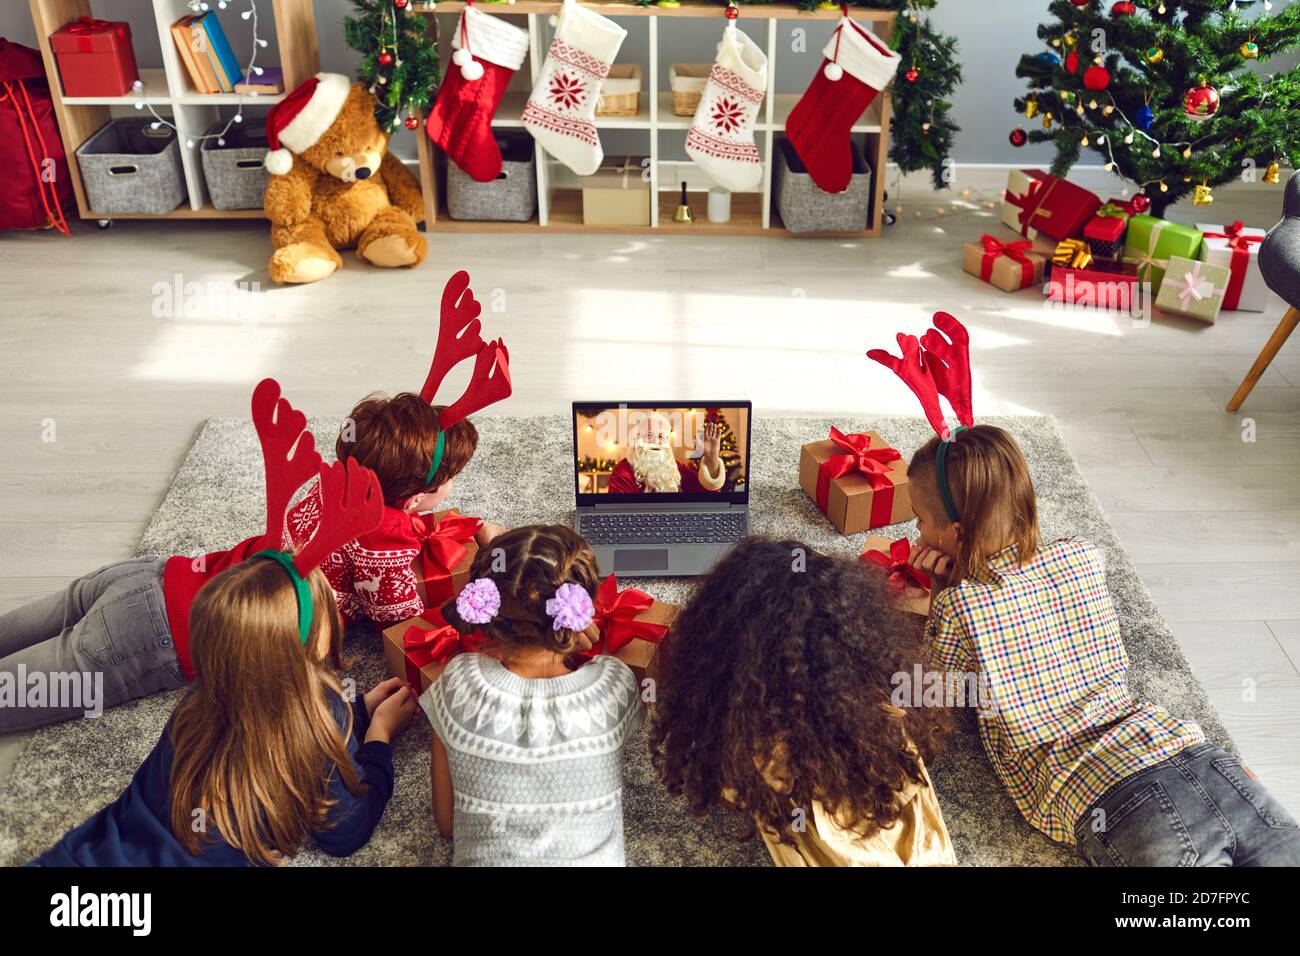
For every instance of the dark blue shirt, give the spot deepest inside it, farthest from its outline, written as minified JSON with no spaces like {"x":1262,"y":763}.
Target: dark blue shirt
{"x":135,"y":829}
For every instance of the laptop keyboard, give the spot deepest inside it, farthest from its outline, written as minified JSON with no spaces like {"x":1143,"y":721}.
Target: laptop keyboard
{"x":687,"y":527}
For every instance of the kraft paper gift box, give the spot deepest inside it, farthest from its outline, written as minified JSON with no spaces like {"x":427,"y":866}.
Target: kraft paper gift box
{"x":1151,"y":241}
{"x":1036,"y":201}
{"x":1010,"y":266}
{"x":1194,"y":289}
{"x":1237,"y":246}
{"x":1100,"y":285}
{"x":419,"y":648}
{"x":910,"y":586}
{"x":617,"y":196}
{"x":857,"y":481}
{"x":632,"y":627}
{"x":447,"y":550}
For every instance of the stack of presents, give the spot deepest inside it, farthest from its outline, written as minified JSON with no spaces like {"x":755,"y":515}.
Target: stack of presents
{"x":1080,"y":250}
{"x":858,"y":482}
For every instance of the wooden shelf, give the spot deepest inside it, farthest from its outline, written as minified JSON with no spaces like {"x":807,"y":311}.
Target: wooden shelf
{"x":764,"y":11}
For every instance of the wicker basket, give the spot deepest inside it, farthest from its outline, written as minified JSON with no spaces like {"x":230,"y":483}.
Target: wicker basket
{"x":687,"y":81}
{"x":620,"y":94}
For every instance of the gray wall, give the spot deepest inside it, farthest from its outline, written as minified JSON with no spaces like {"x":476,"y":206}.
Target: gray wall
{"x":992,"y":35}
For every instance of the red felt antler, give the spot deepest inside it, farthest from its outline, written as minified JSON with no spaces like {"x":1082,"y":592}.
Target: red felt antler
{"x":489,"y":383}
{"x":915,"y":372}
{"x":351,"y":505}
{"x":459,"y":332}
{"x":949,"y":364}
{"x":289,"y":455}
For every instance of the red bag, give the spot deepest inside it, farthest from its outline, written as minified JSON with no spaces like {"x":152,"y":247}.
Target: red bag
{"x":37,"y":185}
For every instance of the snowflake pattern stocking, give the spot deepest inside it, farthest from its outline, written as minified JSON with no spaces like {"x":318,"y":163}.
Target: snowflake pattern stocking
{"x":721,"y":139}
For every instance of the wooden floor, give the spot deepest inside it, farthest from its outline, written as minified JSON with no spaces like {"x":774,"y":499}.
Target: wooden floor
{"x":1212,"y":520}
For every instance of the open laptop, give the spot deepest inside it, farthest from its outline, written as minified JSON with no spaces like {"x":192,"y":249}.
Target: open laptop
{"x":662,"y":487}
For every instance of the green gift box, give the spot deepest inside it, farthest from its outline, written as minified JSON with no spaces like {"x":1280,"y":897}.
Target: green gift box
{"x":1151,"y":242}
{"x":1193,"y":288}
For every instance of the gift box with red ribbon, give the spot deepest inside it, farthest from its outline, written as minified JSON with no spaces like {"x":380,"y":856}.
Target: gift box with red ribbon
{"x":447,"y":550}
{"x":1036,"y":202}
{"x":1100,"y":285}
{"x":632,"y":627}
{"x":1008,"y":265}
{"x":95,"y":57}
{"x":857,"y":481}
{"x":418,"y":649}
{"x":1236,"y":246}
{"x":1104,"y":232}
{"x":910,"y":586}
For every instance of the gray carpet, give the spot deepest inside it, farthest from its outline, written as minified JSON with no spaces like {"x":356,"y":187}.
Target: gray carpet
{"x":521,"y":475}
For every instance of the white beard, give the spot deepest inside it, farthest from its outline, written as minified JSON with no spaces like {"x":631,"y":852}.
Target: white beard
{"x":655,"y":468}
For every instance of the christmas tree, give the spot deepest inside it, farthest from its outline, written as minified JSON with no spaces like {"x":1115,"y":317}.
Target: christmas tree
{"x":399,"y":61}
{"x":922,"y":129}
{"x":728,"y":449}
{"x":1163,"y":91}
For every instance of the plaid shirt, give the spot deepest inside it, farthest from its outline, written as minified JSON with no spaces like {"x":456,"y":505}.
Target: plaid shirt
{"x":1060,"y":727}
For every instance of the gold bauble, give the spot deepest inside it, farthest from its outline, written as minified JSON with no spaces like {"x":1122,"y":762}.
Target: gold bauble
{"x":1202,"y":196}
{"x":1155,"y":54}
{"x":1249,"y":50}
{"x":1273,"y":175}
{"x":1070,"y":40}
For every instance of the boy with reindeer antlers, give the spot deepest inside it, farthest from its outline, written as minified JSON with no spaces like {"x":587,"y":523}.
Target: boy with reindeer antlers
{"x":125,"y":627}
{"x":1123,"y":781}
{"x":416,"y":448}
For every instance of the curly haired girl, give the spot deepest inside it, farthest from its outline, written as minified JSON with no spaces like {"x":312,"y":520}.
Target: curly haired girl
{"x":775,"y":700}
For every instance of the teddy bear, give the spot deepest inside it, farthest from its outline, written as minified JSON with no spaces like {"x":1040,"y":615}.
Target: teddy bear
{"x":334,"y":185}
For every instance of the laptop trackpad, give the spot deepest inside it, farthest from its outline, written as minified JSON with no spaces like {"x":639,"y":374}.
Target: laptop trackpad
{"x":642,"y":559}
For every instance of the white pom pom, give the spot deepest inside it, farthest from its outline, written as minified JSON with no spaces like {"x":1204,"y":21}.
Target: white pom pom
{"x":461,"y":57}
{"x":278,"y":162}
{"x":472,"y":70}
{"x":833,"y":71}
{"x":553,"y":20}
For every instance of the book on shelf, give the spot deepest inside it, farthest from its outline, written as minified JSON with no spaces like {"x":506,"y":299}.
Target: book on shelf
{"x":227,"y":67}
{"x":181,"y":33}
{"x":269,"y":83}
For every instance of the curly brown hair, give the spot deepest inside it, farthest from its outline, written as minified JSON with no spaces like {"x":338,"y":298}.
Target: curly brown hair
{"x":528,"y":565}
{"x":395,"y":438}
{"x":779,"y":670}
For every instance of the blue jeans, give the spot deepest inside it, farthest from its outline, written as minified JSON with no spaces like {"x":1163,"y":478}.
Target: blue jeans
{"x":1200,"y":807}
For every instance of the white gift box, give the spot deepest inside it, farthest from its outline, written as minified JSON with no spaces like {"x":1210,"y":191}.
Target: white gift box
{"x":1019,"y":183}
{"x":1240,"y":255}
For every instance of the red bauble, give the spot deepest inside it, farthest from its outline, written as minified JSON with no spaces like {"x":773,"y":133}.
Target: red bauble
{"x":1081,"y":3}
{"x":385,"y":59}
{"x":1201,"y":102}
{"x":1019,"y":137}
{"x":1096,"y":78}
{"x":412,"y":122}
{"x":1124,"y":8}
{"x":401,"y":4}
{"x":731,"y":12}
{"x":1140,"y":203}
{"x":912,"y":75}
{"x":1072,"y":61}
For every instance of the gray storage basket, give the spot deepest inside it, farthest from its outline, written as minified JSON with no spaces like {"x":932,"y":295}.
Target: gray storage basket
{"x":128,"y":167}
{"x":511,"y":197}
{"x":234,"y":172}
{"x":804,"y":207}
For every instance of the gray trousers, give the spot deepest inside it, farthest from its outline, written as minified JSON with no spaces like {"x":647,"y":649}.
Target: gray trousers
{"x":110,"y":624}
{"x":1198,"y":808}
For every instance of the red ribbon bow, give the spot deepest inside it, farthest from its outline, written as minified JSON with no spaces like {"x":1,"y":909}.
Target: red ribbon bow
{"x":872,"y":463}
{"x":442,"y":548}
{"x":84,"y":28}
{"x":435,"y":645}
{"x":1030,"y":204}
{"x":1240,"y":245}
{"x":616,"y":613}
{"x":901,"y":574}
{"x":89,"y":25}
{"x":995,"y":249}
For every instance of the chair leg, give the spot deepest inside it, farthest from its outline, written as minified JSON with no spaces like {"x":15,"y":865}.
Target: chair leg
{"x":1271,"y":348}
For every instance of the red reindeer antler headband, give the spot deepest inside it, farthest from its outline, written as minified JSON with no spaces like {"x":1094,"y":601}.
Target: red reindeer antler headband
{"x":352,"y":502}
{"x":459,"y":337}
{"x":932,"y":366}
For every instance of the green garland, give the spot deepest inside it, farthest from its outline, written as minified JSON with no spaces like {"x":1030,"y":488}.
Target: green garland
{"x":409,"y":82}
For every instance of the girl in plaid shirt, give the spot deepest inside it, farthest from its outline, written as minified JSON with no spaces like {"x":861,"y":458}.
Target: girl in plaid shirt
{"x":1124,"y":781}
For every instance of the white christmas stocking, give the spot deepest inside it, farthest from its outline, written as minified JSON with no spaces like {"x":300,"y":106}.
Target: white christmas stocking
{"x":562,"y":106}
{"x":721,"y":139}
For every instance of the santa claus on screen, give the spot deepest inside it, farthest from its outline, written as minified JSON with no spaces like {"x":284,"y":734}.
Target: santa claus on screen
{"x":651,"y":466}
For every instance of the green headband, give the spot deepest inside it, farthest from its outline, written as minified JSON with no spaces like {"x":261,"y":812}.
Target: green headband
{"x":438,"y":449}
{"x":300,"y":587}
{"x":941,"y":473}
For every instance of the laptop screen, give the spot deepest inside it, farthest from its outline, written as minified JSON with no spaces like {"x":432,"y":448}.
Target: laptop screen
{"x":658,"y":452}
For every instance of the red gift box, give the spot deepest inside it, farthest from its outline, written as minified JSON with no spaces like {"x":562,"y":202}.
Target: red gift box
{"x":1102,"y":285}
{"x":1055,"y":207}
{"x":95,"y":57}
{"x":1105,"y":231}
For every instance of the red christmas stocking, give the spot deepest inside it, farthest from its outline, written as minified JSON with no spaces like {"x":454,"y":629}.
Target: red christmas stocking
{"x":856,"y":68}
{"x":488,"y":51}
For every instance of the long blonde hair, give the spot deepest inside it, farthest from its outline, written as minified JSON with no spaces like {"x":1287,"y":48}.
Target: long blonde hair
{"x":255,"y":741}
{"x":991,"y":490}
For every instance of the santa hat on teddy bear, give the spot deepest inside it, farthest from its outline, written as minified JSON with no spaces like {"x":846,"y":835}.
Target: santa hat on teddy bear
{"x":302,"y":117}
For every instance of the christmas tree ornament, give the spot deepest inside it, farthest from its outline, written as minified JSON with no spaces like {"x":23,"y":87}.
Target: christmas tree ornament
{"x":1031,"y":106}
{"x":401,"y":4}
{"x":721,"y":137}
{"x":820,"y":124}
{"x":384,"y":59}
{"x":1070,"y":40}
{"x":912,"y":75}
{"x":1081,"y":3}
{"x":1249,"y":49}
{"x":1140,"y":203}
{"x":1273,"y":175}
{"x":1047,"y":120}
{"x":1144,"y":118}
{"x":1124,"y":8}
{"x":1072,"y":61}
{"x":1202,"y":195}
{"x":1019,"y":137}
{"x":412,"y":122}
{"x":1096,"y":78}
{"x":487,"y":52}
{"x":562,"y":106}
{"x":1046,"y":57}
{"x":1201,"y":101}
{"x":1155,"y":54}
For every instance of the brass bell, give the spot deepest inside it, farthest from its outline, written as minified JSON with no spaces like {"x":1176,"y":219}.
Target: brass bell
{"x":1273,"y":175}
{"x":683,"y":213}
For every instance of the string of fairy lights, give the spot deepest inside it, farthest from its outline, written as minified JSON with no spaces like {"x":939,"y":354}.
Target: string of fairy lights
{"x":250,"y":71}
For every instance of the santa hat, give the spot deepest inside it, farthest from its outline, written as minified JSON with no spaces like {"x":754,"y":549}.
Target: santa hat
{"x":302,"y":118}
